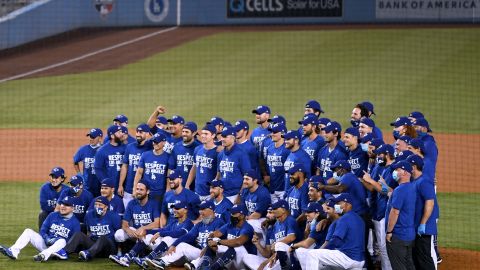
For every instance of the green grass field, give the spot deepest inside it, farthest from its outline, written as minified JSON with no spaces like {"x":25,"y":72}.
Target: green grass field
{"x":433,"y":70}
{"x":19,"y":204}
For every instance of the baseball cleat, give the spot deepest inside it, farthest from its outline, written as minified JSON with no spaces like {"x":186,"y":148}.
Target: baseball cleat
{"x":157,"y":264}
{"x":84,"y":255}
{"x":123,"y":261}
{"x":61,"y":254}
{"x":39,"y":257}
{"x":7,"y":252}
{"x":189,"y":266}
{"x":140,"y":262}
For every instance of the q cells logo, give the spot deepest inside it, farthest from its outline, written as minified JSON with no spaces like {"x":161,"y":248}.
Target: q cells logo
{"x":237,"y":6}
{"x":156,"y":10}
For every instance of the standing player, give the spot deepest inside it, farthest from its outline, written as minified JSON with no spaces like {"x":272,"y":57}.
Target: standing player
{"x":175,"y":126}
{"x":50,"y":192}
{"x":276,"y":155}
{"x":108,"y":158}
{"x":115,"y":203}
{"x":357,"y":158}
{"x":121,"y":121}
{"x":311,"y":141}
{"x":57,"y":229}
{"x":86,"y":156}
{"x":297,"y":195}
{"x":158,"y":123}
{"x":130,"y":160}
{"x":262,"y":113}
{"x":297,"y":155}
{"x":369,"y":106}
{"x":181,"y":158}
{"x":431,"y":151}
{"x":153,"y":167}
{"x":204,"y":168}
{"x":366,"y":126}
{"x":79,"y":197}
{"x":246,"y":145}
{"x":232,"y":164}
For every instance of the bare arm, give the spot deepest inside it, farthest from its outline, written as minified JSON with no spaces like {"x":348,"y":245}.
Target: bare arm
{"x":153,"y":117}
{"x":138,"y":176}
{"x":239,"y":241}
{"x":427,"y":211}
{"x":191,"y":176}
{"x":123,"y":175}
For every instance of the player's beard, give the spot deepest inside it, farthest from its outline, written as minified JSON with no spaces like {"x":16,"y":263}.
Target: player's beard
{"x":139,"y":139}
{"x":140,"y":197}
{"x":117,"y":140}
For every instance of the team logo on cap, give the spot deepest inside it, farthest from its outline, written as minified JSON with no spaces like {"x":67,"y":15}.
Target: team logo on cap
{"x":104,"y":7}
{"x":156,"y":10}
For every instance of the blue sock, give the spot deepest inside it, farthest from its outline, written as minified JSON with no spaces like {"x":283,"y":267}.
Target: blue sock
{"x":207,"y":258}
{"x":226,"y":258}
{"x":159,"y":250}
{"x":137,"y":248}
{"x":283,"y":258}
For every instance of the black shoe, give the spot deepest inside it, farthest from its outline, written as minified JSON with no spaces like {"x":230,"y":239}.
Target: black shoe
{"x":39,"y":257}
{"x":189,"y":266}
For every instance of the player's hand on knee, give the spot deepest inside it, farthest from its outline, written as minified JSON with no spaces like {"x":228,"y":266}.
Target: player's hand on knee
{"x":171,"y":250}
{"x":155,"y":237}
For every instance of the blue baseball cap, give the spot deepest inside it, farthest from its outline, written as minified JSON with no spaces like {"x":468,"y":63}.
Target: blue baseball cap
{"x":67,"y":200}
{"x":158,"y":137}
{"x":343,"y":197}
{"x":252,"y":174}
{"x":277,"y":119}
{"x":278,"y":127}
{"x":309,"y":119}
{"x":57,"y":172}
{"x":216,"y":120}
{"x":216,"y":183}
{"x":367,"y":138}
{"x":113,"y":129}
{"x":143,"y":128}
{"x":369,"y":106}
{"x":315,"y":179}
{"x":180,"y":205}
{"x":353,"y":131}
{"x":161,"y":120}
{"x":211,"y":128}
{"x":416,"y":115}
{"x":241,"y":124}
{"x":405,"y":138}
{"x":415,"y":160}
{"x":404,"y":165}
{"x":108,"y":182}
{"x":423,"y":123}
{"x":261,"y":109}
{"x":280,"y":204}
{"x":121,"y":118}
{"x":124,"y":129}
{"x":314,"y":207}
{"x":207,"y":204}
{"x":297,"y":167}
{"x":228,"y":131}
{"x":368,"y":122}
{"x":384,"y":149}
{"x":417,"y":143}
{"x":330,"y":202}
{"x":144,"y":183}
{"x":341,"y":164}
{"x":227,"y":124}
{"x":323,"y":121}
{"x":175,"y":174}
{"x":401,"y":121}
{"x":376,"y":142}
{"x":291,"y":134}
{"x":76,"y":180}
{"x":94,"y":133}
{"x":313,"y":104}
{"x":190,"y":126}
{"x":332,"y":126}
{"x":238,"y":208}
{"x":403,"y":155}
{"x":176,"y":119}
{"x":102,"y":200}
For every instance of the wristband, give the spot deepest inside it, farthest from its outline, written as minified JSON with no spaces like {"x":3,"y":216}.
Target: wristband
{"x":390,"y":232}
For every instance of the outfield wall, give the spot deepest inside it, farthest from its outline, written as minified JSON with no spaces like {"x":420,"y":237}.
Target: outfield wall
{"x":50,"y":17}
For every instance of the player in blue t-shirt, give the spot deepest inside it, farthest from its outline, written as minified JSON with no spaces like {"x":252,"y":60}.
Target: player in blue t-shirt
{"x":297,"y":155}
{"x":275,"y":157}
{"x":101,"y":226}
{"x":50,"y":192}
{"x":175,"y":126}
{"x":80,"y":197}
{"x":122,"y":122}
{"x":311,"y":142}
{"x":57,"y":229}
{"x":297,"y":195}
{"x":204,"y":168}
{"x":115,"y":203}
{"x":130,"y":160}
{"x":262,"y":113}
{"x":331,"y":152}
{"x":222,"y":204}
{"x":242,"y":141}
{"x":153,"y":168}
{"x":357,"y":157}
{"x":108,"y":159}
{"x":346,"y":248}
{"x":86,"y":156}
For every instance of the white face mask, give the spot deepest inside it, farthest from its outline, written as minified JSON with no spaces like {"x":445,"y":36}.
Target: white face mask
{"x":338,"y":209}
{"x":364,"y":147}
{"x":335,"y":176}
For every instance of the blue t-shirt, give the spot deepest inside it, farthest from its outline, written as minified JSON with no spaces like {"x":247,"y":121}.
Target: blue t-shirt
{"x":170,"y":143}
{"x":257,"y":201}
{"x":232,"y":165}
{"x":358,"y":160}
{"x":377,"y":133}
{"x":381,"y":199}
{"x":319,"y":237}
{"x":222,"y":209}
{"x":297,"y":199}
{"x":206,"y":168}
{"x":287,"y":227}
{"x":258,"y":135}
{"x":187,"y":196}
{"x":331,"y":230}
{"x":86,"y":155}
{"x":426,"y":191}
{"x":116,"y":205}
{"x":264,"y":146}
{"x":233,"y":232}
{"x":174,"y":229}
{"x":155,"y":169}
{"x":299,"y":156}
{"x":80,"y":203}
{"x":275,"y":158}
{"x":252,"y":153}
{"x":57,"y":226}
{"x":357,"y":192}
{"x":49,"y":196}
{"x":182,"y":158}
{"x":108,"y":162}
{"x":312,"y":148}
{"x":431,"y":151}
{"x":131,"y":157}
{"x":403,"y":198}
{"x":198,"y":235}
{"x":350,"y":228}
{"x":104,"y":225}
{"x":138,"y":215}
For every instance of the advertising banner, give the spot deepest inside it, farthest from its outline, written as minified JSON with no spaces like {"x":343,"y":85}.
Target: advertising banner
{"x":284,"y":8}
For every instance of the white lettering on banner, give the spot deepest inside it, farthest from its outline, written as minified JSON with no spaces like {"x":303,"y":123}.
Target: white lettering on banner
{"x":250,"y":206}
{"x":133,"y":160}
{"x":428,"y":9}
{"x":274,"y":161}
{"x":100,"y":229}
{"x":204,"y":162}
{"x":59,"y":230}
{"x":293,"y":203}
{"x":155,"y":168}
{"x":226,"y":166}
{"x":202,"y":238}
{"x":115,"y":160}
{"x":142,"y":219}
{"x":264,"y":5}
{"x":279,"y":236}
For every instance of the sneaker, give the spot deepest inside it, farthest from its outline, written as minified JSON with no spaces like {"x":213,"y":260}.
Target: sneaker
{"x":140,"y":262}
{"x":157,"y":264}
{"x":439,"y":260}
{"x":61,"y":254}
{"x":84,"y":255}
{"x":120,"y":260}
{"x":39,"y":257}
{"x":7,"y":252}
{"x":128,"y":257}
{"x":189,"y":266}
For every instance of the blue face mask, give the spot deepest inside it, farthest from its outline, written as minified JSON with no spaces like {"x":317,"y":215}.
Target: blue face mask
{"x":335,"y":176}
{"x":355,"y":123}
{"x":76,"y":189}
{"x":313,"y":224}
{"x":364,"y":147}
{"x":396,"y":134}
{"x":395,"y":176}
{"x":98,"y":211}
{"x":338,"y":209}
{"x":421,"y":133}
